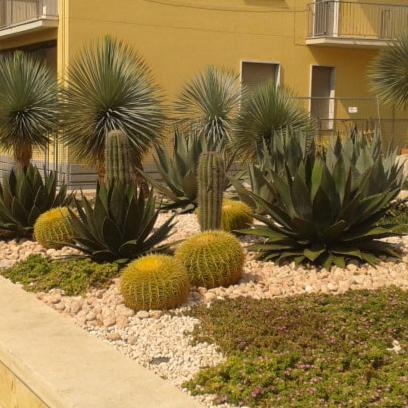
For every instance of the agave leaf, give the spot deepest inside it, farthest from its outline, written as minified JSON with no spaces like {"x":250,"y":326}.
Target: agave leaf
{"x":313,"y":254}
{"x":112,"y":234}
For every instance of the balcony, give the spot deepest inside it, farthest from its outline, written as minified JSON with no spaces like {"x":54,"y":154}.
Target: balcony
{"x":23,"y":16}
{"x":346,"y":23}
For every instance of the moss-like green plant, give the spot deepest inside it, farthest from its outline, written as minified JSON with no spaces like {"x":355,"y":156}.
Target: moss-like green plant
{"x":236,"y":215}
{"x":155,"y":282}
{"x":52,"y":228}
{"x":307,"y":351}
{"x":40,"y":274}
{"x":212,"y":258}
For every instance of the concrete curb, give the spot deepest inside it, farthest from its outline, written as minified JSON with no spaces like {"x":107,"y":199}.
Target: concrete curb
{"x":64,"y":367}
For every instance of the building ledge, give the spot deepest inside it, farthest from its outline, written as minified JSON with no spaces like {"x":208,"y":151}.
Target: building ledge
{"x":43,"y":23}
{"x":47,"y":362}
{"x":347,"y":42}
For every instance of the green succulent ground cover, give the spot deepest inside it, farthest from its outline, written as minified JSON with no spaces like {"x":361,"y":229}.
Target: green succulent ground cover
{"x":74,"y":277}
{"x":308,"y":351}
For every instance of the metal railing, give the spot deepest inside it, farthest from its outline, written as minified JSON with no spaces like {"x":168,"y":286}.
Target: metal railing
{"x":16,"y":12}
{"x":346,"y":19}
{"x":340,"y":115}
{"x":344,"y":114}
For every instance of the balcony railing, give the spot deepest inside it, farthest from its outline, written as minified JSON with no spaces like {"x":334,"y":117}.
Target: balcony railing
{"x":17,"y":12}
{"x":337,"y":20}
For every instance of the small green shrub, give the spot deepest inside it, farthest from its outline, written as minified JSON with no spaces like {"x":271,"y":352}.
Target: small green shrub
{"x":308,"y":351}
{"x":40,"y":274}
{"x":236,"y":215}
{"x":212,"y":258}
{"x":155,"y":282}
{"x":53,"y":227}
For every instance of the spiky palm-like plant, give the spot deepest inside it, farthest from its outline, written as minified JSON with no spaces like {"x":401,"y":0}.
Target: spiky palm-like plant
{"x":110,"y":87}
{"x":388,"y":73}
{"x":209,"y":103}
{"x":264,"y":112}
{"x":28,"y":105}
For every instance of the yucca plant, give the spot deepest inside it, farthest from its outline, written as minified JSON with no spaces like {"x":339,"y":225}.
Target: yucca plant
{"x":120,"y":226}
{"x":326,"y":210}
{"x":264,"y":112}
{"x":28,"y":105}
{"x":388,"y":73}
{"x":110,"y":87}
{"x":25,"y":195}
{"x":209,"y":103}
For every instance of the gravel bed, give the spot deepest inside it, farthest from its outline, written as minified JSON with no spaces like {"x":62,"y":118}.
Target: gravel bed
{"x":161,"y":341}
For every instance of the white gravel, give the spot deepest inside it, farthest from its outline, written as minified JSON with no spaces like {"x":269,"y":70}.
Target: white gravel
{"x":162,"y":341}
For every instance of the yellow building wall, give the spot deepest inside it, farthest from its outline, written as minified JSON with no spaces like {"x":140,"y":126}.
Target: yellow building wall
{"x":178,"y":38}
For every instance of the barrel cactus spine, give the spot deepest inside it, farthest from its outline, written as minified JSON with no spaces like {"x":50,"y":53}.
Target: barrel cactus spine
{"x":211,"y":183}
{"x":117,"y":159}
{"x":236,"y":215}
{"x":212,"y":259}
{"x":155,"y":282}
{"x":52,"y":229}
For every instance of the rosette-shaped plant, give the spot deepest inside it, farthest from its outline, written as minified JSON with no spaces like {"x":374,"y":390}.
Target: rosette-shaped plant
{"x":25,"y":195}
{"x":155,"y":282}
{"x":120,"y":226}
{"x":325,"y":211}
{"x":212,"y":258}
{"x":52,"y":228}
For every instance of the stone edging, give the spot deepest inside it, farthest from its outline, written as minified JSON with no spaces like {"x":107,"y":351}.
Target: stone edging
{"x":66,"y":368}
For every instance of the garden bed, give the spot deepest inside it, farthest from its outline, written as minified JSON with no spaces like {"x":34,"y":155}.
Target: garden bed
{"x":162,"y":341}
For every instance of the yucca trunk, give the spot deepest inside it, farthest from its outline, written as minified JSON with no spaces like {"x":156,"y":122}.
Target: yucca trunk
{"x":101,"y":171}
{"x":23,"y":154}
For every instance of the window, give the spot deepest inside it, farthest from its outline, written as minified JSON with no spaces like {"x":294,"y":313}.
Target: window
{"x":322,"y":96}
{"x":254,"y":73}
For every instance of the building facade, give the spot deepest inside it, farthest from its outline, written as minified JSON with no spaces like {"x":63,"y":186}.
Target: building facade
{"x":320,"y":50}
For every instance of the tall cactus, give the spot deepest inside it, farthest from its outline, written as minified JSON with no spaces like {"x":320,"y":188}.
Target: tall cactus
{"x":117,"y":160}
{"x":211,"y":183}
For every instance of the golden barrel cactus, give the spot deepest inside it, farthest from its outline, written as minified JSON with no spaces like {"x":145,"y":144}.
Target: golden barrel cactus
{"x":236,"y":215}
{"x":212,"y":258}
{"x":154,"y":282}
{"x":53,"y":227}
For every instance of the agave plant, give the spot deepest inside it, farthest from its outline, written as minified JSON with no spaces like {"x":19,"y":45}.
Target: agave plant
{"x":326,"y":210}
{"x":388,"y":73}
{"x":25,"y":195}
{"x":110,"y":87}
{"x":120,"y":226}
{"x":178,"y":171}
{"x":208,"y":105}
{"x":286,"y":149}
{"x":264,"y":112}
{"x":28,"y":105}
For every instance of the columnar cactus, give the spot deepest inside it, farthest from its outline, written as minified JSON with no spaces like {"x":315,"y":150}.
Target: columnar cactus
{"x":211,"y":183}
{"x":117,"y":160}
{"x":155,"y":282}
